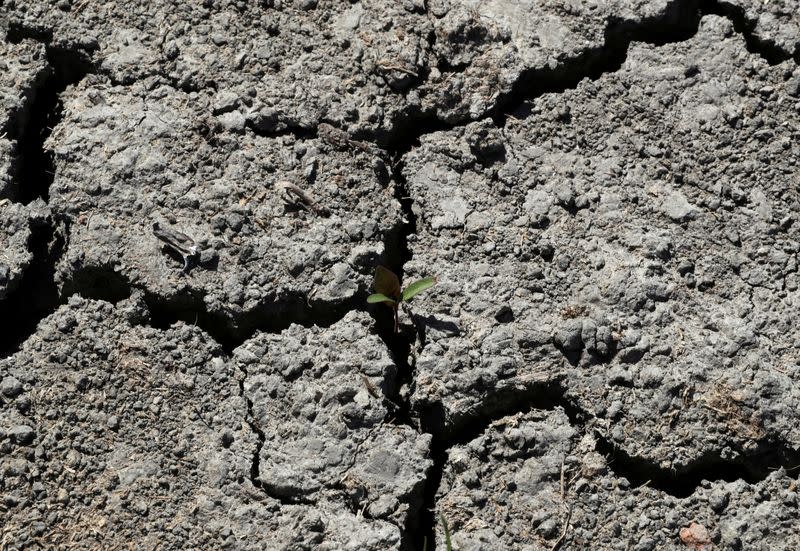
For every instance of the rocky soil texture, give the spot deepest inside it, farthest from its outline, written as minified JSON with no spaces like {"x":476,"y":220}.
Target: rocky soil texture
{"x":194,"y":197}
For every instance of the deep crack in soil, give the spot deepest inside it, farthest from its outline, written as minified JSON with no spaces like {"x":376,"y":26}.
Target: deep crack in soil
{"x":681,"y":24}
{"x":232,"y":332}
{"x":752,"y":468}
{"x":251,"y":422}
{"x":771,"y":53}
{"x":37,"y":295}
{"x":35,"y":170}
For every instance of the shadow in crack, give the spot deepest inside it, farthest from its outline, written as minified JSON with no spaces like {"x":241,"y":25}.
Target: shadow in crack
{"x":272,"y":317}
{"x":99,"y":283}
{"x":752,"y":468}
{"x":35,"y":170}
{"x":546,"y":396}
{"x":771,"y":53}
{"x":37,"y":294}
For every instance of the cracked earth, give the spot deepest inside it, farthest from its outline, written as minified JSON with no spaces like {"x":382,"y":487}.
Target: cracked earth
{"x":606,"y":190}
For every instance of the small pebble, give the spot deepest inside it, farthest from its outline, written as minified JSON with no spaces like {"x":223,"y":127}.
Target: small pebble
{"x":718,"y":500}
{"x":113,"y":422}
{"x":22,"y":434}
{"x":11,"y":387}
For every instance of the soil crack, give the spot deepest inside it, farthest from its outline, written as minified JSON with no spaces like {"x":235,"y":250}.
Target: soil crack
{"x":752,"y":467}
{"x":680,"y":24}
{"x":36,"y":295}
{"x":231,"y":332}
{"x":771,"y":53}
{"x":255,"y":466}
{"x":35,"y":168}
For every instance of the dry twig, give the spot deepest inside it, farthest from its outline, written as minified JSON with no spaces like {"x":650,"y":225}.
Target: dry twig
{"x":293,"y":195}
{"x":568,"y":517}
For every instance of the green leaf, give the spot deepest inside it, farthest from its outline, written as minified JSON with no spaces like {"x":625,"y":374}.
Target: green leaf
{"x":379,"y":297}
{"x":417,"y":287}
{"x":447,"y":541}
{"x":386,"y":283}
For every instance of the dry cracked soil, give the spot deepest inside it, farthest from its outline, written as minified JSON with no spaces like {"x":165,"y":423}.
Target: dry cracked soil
{"x":194,"y":197}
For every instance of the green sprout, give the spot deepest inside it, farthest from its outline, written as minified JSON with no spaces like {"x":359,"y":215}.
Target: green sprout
{"x":447,"y":542}
{"x":387,"y":291}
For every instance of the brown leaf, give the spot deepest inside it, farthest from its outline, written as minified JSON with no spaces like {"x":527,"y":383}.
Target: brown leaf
{"x":386,"y":283}
{"x":696,"y":537}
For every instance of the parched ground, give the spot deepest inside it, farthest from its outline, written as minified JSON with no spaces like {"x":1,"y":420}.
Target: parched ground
{"x":194,"y":197}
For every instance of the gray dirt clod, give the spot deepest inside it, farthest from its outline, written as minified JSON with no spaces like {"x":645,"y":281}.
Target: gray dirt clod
{"x":776,"y":23}
{"x":648,"y":237}
{"x":275,"y":67}
{"x":148,"y":478}
{"x":320,"y":396}
{"x":17,"y":226}
{"x":532,"y":481}
{"x":130,"y":157}
{"x":124,"y":433}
